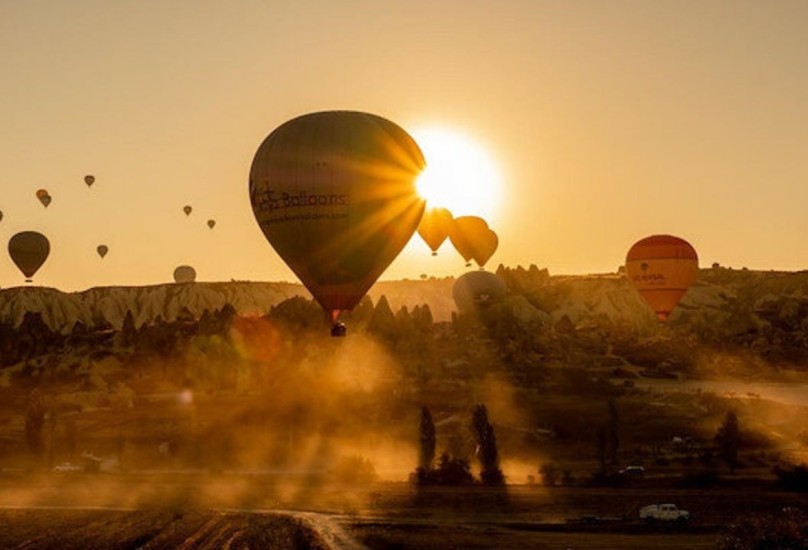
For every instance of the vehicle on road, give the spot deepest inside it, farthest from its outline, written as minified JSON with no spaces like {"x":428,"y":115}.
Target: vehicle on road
{"x":663,"y":512}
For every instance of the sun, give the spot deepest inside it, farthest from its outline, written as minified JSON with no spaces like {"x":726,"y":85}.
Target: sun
{"x":459,"y":174}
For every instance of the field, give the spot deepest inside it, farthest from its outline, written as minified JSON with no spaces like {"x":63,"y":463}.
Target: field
{"x":196,"y":510}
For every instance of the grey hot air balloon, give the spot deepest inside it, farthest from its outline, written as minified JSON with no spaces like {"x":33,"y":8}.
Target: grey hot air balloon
{"x":184,"y":274}
{"x":477,"y":289}
{"x":29,"y":250}
{"x":102,"y":250}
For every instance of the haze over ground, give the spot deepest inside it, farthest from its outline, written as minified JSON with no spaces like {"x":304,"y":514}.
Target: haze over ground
{"x":606,"y":121}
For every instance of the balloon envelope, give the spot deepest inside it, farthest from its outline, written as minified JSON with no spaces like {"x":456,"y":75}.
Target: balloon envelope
{"x":662,"y":268}
{"x":187,"y":209}
{"x":211,"y":223}
{"x":184,"y":274}
{"x":89,"y":180}
{"x":334,"y":193}
{"x":29,"y":250}
{"x":485,"y":248}
{"x":102,"y":250}
{"x":434,"y":227}
{"x":468,"y":235}
{"x":478,"y":289}
{"x":44,"y":197}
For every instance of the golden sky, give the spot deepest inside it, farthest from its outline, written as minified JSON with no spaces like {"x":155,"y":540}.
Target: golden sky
{"x":607,"y":121}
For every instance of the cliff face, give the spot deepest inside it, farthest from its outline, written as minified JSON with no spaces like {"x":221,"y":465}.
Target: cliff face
{"x":765,"y":311}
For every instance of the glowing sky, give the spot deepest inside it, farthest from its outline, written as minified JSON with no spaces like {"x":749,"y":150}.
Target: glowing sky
{"x":607,"y":121}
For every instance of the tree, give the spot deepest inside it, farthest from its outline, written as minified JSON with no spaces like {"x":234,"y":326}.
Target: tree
{"x":728,"y":438}
{"x":34,"y":421}
{"x":428,"y":440}
{"x":486,"y":447}
{"x":612,"y":432}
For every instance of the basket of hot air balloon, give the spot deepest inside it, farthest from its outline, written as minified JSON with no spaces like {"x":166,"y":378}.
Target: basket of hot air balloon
{"x":334,"y":194}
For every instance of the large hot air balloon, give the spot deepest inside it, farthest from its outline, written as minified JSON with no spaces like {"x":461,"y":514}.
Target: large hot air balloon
{"x":187,"y":209}
{"x":334,"y":193}
{"x":29,"y":250}
{"x":434,"y":227}
{"x":662,"y":268}
{"x":211,"y":223}
{"x":44,"y":197}
{"x":184,"y":274}
{"x":89,"y":180}
{"x":471,"y":237}
{"x":102,"y":250}
{"x":477,"y":289}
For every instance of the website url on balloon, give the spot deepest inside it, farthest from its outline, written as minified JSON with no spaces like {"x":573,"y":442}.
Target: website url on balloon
{"x":288,"y":218}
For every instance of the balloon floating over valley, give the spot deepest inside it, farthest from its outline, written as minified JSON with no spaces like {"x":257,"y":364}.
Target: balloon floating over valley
{"x":28,"y":251}
{"x":662,"y":268}
{"x":334,"y":194}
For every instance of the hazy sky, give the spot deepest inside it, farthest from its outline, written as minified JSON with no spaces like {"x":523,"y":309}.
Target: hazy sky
{"x":607,"y":122}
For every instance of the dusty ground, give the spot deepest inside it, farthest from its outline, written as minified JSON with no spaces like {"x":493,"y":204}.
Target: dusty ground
{"x":200,"y":511}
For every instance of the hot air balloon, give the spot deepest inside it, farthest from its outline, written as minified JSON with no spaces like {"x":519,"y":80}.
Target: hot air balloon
{"x":187,"y":209}
{"x":470,"y":235}
{"x":44,"y":197}
{"x":434,"y":227}
{"x":1,"y":215}
{"x":334,"y":193}
{"x":477,"y":289}
{"x":662,"y":268}
{"x":89,"y":180}
{"x":102,"y":250}
{"x":29,"y":250}
{"x":211,"y":223}
{"x":184,"y":274}
{"x":485,"y":248}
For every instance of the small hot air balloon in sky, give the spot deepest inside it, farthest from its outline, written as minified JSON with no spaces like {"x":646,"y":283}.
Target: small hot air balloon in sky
{"x":29,"y":250}
{"x":187,"y":209}
{"x":1,"y":215}
{"x":44,"y":197}
{"x":471,"y":237}
{"x":334,"y":193}
{"x":662,"y":268}
{"x":184,"y":274}
{"x":477,"y":289}
{"x":434,"y":227}
{"x":89,"y":180}
{"x":211,"y":223}
{"x":102,"y":250}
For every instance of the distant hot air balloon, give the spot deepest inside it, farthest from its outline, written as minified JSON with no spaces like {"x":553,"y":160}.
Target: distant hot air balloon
{"x":29,"y":250}
{"x":662,"y":268}
{"x":102,"y":250}
{"x":44,"y":197}
{"x":184,"y":274}
{"x":211,"y":223}
{"x":334,"y":193}
{"x":187,"y":209}
{"x":477,"y":289}
{"x":470,"y":237}
{"x":89,"y":180}
{"x":1,"y":215}
{"x":434,"y":227}
{"x":485,"y":248}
